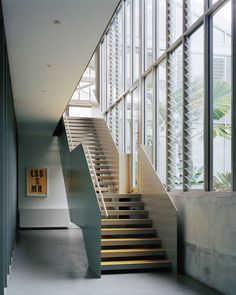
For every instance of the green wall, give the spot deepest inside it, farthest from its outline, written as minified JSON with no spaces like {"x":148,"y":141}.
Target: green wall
{"x":82,"y":201}
{"x":8,"y":164}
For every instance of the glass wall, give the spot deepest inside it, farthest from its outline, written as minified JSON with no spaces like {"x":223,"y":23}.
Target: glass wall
{"x":166,"y":86}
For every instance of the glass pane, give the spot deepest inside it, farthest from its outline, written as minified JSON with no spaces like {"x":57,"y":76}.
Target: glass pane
{"x":136,"y":38}
{"x":195,"y":118}
{"x":103,"y":75}
{"x":127,"y":43}
{"x":148,"y":42}
{"x":194,"y":10}
{"x":175,"y":121}
{"x":120,"y":55}
{"x":135,"y":137}
{"x":161,"y":26}
{"x":121,"y":126}
{"x":128,"y":123}
{"x":222,"y":99}
{"x":113,"y":123}
{"x":148,"y":116}
{"x":110,"y":68}
{"x":175,"y":20}
{"x":161,"y":121}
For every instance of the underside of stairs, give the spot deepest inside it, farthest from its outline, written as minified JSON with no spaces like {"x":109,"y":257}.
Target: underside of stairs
{"x":128,"y":241}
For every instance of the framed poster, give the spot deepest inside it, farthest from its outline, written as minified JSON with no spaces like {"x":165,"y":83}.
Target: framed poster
{"x":37,"y":182}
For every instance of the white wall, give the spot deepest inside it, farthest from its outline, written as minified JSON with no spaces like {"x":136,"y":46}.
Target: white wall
{"x":51,"y":211}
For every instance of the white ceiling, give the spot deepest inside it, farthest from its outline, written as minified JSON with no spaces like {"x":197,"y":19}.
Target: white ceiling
{"x":48,"y":59}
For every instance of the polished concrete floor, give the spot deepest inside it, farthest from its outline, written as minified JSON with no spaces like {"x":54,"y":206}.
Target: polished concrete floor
{"x":53,"y":262}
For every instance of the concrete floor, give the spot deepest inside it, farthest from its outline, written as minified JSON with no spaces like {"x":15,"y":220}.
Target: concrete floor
{"x":53,"y":262}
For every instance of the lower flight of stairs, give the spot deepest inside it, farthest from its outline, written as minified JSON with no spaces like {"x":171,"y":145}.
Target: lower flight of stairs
{"x":129,"y":242}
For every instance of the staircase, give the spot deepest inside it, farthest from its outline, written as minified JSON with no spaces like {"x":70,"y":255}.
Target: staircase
{"x":129,"y":242}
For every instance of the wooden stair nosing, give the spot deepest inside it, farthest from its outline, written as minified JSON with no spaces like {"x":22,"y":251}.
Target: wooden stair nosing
{"x":134,"y":264}
{"x":133,"y":252}
{"x":129,"y":241}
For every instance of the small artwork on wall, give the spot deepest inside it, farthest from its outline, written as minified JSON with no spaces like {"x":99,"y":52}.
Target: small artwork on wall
{"x":37,"y":182}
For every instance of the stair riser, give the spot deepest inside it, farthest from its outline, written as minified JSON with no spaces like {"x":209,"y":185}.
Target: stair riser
{"x":133,"y":254}
{"x":146,"y":222}
{"x":129,"y":243}
{"x":114,"y":232}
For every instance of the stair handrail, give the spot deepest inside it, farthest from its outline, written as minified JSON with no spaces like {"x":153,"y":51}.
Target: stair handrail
{"x":97,"y":188}
{"x":68,"y":129}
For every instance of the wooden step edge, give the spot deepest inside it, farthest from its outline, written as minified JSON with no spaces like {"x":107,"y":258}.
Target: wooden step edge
{"x":129,"y":229}
{"x":129,"y":239}
{"x":133,"y":250}
{"x":130,"y":262}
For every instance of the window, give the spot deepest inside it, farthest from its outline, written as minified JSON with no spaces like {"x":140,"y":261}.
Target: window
{"x":194,"y":10}
{"x":221,"y":96}
{"x":119,"y":52}
{"x":103,"y":81}
{"x":127,"y":43}
{"x":175,"y":22}
{"x":148,"y":40}
{"x":194,"y":112}
{"x":161,"y":121}
{"x":121,"y":126}
{"x":175,"y":120}
{"x":128,"y":124}
{"x":148,"y":113}
{"x":135,"y":137}
{"x":136,"y":39}
{"x":161,"y":26}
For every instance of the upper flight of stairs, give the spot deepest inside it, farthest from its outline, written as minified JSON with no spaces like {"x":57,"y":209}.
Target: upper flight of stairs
{"x":128,"y":239}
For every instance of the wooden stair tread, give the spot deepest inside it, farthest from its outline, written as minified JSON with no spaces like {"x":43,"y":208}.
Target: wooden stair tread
{"x":144,"y":261}
{"x":130,"y":228}
{"x":132,"y":250}
{"x":130,"y":239}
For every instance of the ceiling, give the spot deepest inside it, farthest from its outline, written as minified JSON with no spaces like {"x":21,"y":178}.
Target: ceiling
{"x":50,"y":42}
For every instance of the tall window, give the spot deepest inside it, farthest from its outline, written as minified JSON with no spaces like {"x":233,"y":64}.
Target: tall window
{"x":194,"y":107}
{"x":119,"y":52}
{"x":128,"y":124}
{"x":221,"y":93}
{"x":121,"y":126}
{"x":175,"y":22}
{"x":127,"y":43}
{"x":194,"y":9}
{"x":175,"y":120}
{"x":148,"y":114}
{"x":161,"y":121}
{"x":148,"y":39}
{"x":103,"y":76}
{"x":136,"y":39}
{"x":161,"y":26}
{"x":135,"y":137}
